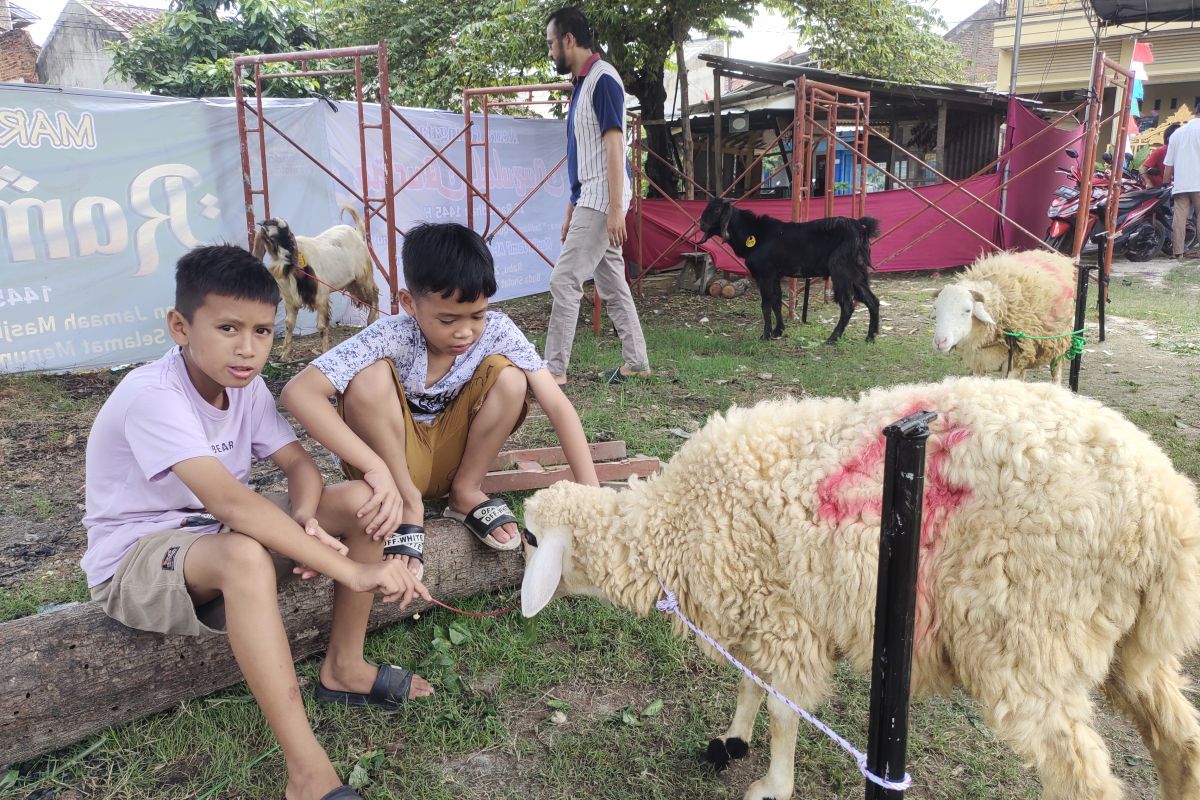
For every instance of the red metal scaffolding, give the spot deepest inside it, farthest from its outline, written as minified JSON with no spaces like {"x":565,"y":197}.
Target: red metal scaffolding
{"x":383,"y":207}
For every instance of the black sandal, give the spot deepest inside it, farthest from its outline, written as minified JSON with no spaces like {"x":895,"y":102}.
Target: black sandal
{"x":390,"y":690}
{"x":342,"y":792}
{"x":408,"y":540}
{"x":485,"y":518}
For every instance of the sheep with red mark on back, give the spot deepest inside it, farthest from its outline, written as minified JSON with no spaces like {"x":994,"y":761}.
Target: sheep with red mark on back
{"x":1060,"y":553}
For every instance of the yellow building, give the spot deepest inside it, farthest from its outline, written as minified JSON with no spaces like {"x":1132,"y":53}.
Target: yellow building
{"x":1055,"y":56}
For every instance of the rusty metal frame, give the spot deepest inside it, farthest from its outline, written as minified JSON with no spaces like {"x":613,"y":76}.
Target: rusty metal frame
{"x":383,"y":207}
{"x":810,"y":97}
{"x":483,"y":95}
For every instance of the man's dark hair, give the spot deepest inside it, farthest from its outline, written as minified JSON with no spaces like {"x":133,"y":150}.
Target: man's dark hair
{"x":571,"y":20}
{"x":447,"y":258}
{"x":225,"y":270}
{"x":1174,"y":126}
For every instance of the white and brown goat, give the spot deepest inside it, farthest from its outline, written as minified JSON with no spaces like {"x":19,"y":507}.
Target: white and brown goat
{"x":309,"y":268}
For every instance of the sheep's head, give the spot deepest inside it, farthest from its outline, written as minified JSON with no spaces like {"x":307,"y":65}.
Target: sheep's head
{"x":715,"y":219}
{"x":955,"y":310}
{"x":555,"y":538}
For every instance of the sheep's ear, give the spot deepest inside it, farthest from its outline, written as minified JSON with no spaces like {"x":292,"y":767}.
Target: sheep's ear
{"x":543,"y":572}
{"x":981,"y":313}
{"x":260,"y":244}
{"x":726,"y":218}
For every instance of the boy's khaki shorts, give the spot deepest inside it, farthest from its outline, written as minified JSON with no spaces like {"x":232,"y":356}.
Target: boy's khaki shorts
{"x":148,"y":590}
{"x":433,"y":451}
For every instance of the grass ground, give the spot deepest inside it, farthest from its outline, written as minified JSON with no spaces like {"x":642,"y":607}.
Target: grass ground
{"x":586,"y":701}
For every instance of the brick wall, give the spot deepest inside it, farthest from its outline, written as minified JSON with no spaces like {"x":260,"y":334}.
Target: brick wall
{"x":974,"y":38}
{"x":18,"y":57}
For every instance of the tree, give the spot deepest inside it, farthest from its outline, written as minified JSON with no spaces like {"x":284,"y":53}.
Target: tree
{"x":435,"y":48}
{"x":187,"y":52}
{"x":889,"y":39}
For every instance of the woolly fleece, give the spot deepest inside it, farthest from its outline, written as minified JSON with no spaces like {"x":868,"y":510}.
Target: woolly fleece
{"x":1032,"y":292}
{"x":1060,"y":553}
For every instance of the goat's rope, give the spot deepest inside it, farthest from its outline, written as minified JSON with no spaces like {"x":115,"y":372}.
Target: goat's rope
{"x":670,"y":605}
{"x":358,"y":301}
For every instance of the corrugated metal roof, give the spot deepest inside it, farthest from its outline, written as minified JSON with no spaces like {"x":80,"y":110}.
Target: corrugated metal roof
{"x":1126,"y":12}
{"x":781,"y":74}
{"x":21,"y":17}
{"x":124,"y":17}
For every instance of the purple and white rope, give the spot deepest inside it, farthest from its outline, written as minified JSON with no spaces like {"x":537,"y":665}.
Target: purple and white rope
{"x":670,"y":605}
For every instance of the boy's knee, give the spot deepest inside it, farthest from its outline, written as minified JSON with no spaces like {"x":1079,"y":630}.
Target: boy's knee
{"x":246,"y":557}
{"x":369,"y":385}
{"x":245,"y":553}
{"x":511,"y":382}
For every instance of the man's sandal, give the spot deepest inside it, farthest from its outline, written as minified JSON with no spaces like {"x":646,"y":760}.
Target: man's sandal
{"x":407,"y":540}
{"x":343,"y":793}
{"x":390,"y":690}
{"x":485,"y":518}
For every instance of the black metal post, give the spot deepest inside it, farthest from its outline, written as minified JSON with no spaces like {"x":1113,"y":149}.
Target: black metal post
{"x":1081,"y":290}
{"x":1103,"y":264}
{"x":896,"y":600}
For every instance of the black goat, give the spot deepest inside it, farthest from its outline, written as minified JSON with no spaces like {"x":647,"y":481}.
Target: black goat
{"x":838,"y":248}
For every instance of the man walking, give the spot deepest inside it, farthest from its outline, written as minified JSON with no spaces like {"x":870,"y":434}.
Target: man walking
{"x":1183,"y":167}
{"x":594,"y":229}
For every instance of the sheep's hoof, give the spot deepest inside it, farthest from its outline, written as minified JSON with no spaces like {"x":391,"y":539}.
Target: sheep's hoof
{"x":720,"y":753}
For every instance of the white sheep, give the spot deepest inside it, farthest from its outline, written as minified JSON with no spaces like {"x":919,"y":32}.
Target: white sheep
{"x":1031,"y":292}
{"x":1060,"y":553}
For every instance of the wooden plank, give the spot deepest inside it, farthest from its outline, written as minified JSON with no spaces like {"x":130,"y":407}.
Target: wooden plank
{"x":552,"y":456}
{"x":517,"y":480}
{"x":73,"y":672}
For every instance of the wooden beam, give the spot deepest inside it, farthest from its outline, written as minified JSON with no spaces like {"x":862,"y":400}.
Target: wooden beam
{"x":516,"y":470}
{"x":940,"y":148}
{"x":74,"y":672}
{"x":552,"y":456}
{"x":516,"y":479}
{"x":718,"y":149}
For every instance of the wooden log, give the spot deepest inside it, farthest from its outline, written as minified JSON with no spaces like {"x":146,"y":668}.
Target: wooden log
{"x":73,"y":672}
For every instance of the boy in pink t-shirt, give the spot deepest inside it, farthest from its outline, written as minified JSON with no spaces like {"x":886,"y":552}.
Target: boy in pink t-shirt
{"x":179,"y":544}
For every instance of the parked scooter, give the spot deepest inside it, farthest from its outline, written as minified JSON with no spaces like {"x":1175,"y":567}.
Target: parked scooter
{"x":1140,"y":230}
{"x":1167,"y":216}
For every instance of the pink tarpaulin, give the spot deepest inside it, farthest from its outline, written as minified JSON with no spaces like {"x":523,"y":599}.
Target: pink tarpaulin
{"x":1029,"y":196}
{"x":949,"y":246}
{"x":910,"y":246}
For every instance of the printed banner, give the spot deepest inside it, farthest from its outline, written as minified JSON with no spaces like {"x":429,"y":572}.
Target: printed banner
{"x":100,"y":194}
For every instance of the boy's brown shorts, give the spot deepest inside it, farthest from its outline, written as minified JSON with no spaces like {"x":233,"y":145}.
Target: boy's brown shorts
{"x":433,"y":451}
{"x":148,"y":590}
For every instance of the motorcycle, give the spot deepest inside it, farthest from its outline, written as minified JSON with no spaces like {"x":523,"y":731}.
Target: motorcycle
{"x":1140,"y":229}
{"x":1167,"y":216}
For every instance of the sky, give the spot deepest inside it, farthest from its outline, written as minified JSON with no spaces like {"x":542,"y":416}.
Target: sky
{"x":768,"y":38}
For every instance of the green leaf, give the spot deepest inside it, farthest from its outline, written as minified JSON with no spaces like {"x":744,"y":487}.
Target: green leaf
{"x":654,"y":709}
{"x":557,"y":705}
{"x":629,"y":718}
{"x":359,"y":777}
{"x":10,"y":779}
{"x":458,"y":634}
